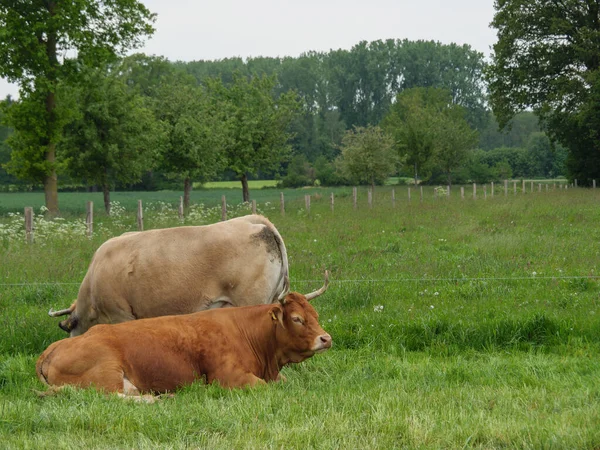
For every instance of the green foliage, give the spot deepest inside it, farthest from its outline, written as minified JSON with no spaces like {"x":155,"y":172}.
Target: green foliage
{"x":258,"y":133}
{"x":343,"y":88}
{"x":368,"y":155}
{"x":299,"y":173}
{"x":546,"y":58}
{"x":546,"y":160}
{"x":515,"y":134}
{"x":32,"y":37}
{"x":429,"y":130}
{"x":197,"y":132}
{"x":114,"y":135}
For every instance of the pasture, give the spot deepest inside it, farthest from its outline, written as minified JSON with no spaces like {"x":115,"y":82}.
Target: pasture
{"x":456,"y":324}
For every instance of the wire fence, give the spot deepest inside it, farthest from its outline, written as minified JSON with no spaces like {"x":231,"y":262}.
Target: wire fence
{"x":370,"y":280}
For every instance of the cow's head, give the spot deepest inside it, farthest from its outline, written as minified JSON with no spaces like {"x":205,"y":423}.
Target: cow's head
{"x":70,"y":322}
{"x":299,"y":335}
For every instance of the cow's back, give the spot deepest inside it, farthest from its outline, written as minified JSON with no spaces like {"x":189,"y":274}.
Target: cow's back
{"x":183,"y":270}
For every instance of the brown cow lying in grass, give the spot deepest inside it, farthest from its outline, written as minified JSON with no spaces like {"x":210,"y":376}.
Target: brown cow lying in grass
{"x":236,"y":347}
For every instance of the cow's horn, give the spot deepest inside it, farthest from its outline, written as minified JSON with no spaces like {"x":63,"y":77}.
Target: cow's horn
{"x":60,"y":312}
{"x":285,"y":291}
{"x":318,"y":292}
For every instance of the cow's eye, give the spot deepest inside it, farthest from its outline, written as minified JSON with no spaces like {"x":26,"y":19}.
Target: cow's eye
{"x":298,"y":319}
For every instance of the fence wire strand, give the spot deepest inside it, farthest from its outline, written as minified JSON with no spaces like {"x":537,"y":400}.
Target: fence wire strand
{"x":368,"y":280}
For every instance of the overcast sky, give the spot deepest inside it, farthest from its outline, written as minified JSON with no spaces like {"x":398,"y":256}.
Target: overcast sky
{"x":189,"y":30}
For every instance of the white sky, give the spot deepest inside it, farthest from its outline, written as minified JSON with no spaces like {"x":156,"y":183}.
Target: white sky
{"x":189,"y":30}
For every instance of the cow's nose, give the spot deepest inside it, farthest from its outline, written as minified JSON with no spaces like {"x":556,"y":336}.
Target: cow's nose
{"x":325,"y":340}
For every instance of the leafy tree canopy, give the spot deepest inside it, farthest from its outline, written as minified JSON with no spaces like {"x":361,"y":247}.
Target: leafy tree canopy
{"x":33,"y":36}
{"x":368,"y":155}
{"x":548,"y":58}
{"x":258,"y":138}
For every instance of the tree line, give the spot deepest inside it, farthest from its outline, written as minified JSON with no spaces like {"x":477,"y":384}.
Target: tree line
{"x":417,"y":108}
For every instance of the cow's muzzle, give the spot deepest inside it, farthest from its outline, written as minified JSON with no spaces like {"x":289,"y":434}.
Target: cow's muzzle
{"x":68,"y":324}
{"x":322,"y":343}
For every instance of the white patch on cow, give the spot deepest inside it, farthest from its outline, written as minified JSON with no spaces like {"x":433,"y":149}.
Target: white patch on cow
{"x":320,"y":345}
{"x":129,"y":388}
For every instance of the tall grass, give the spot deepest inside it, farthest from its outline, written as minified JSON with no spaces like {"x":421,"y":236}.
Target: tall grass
{"x":456,"y":323}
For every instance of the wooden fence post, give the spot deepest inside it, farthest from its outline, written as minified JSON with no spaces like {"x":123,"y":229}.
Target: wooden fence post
{"x":462,"y":192}
{"x":492,"y":192}
{"x":505,"y":188}
{"x":408,"y":195}
{"x":307,"y":203}
{"x":223,"y":208}
{"x":393,"y":198}
{"x":253,"y":206}
{"x":485,"y":191}
{"x":29,"y":224}
{"x":539,"y":187}
{"x":89,"y":218}
{"x":575,"y":182}
{"x":370,"y":198}
{"x":281,"y":204}
{"x":593,"y":184}
{"x":531,"y":187}
{"x":140,"y":216}
{"x":515,"y":187}
{"x":523,"y":187}
{"x":474,"y":191}
{"x":354,"y":196}
{"x":448,"y":191}
{"x":332,"y":202}
{"x":421,"y":193}
{"x":546,"y":187}
{"x":180,"y":211}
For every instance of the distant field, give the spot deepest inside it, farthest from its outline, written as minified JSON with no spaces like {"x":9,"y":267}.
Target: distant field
{"x":456,"y":324}
{"x":73,"y":203}
{"x":252,"y":184}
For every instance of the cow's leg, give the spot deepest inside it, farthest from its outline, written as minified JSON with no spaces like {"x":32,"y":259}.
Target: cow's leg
{"x":131,"y":392}
{"x":240,"y":379}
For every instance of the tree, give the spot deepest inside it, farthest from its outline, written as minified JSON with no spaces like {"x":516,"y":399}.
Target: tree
{"x":368,"y":155}
{"x":547,"y":58}
{"x":113,"y":136}
{"x":412,"y":121}
{"x":455,"y":139}
{"x":259,"y":123}
{"x":33,"y":35}
{"x":545,"y":159}
{"x":197,"y":133}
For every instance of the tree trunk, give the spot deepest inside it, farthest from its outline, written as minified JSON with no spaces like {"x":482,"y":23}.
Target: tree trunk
{"x":51,"y":179}
{"x":106,"y":192}
{"x":245,"y":191}
{"x":51,"y":184}
{"x":416,"y":176}
{"x":187,"y":188}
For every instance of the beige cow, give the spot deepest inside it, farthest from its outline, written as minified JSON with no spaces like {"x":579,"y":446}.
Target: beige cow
{"x":239,"y":262}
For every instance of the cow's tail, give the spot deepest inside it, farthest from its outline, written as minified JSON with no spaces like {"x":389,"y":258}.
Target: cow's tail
{"x":284,"y":275}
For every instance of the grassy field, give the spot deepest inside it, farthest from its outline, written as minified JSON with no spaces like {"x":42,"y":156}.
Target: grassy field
{"x":456,"y":324}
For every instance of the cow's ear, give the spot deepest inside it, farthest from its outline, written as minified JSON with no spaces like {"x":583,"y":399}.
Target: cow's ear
{"x":276,"y":313}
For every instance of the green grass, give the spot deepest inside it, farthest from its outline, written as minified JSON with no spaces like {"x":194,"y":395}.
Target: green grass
{"x":489,"y":335}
